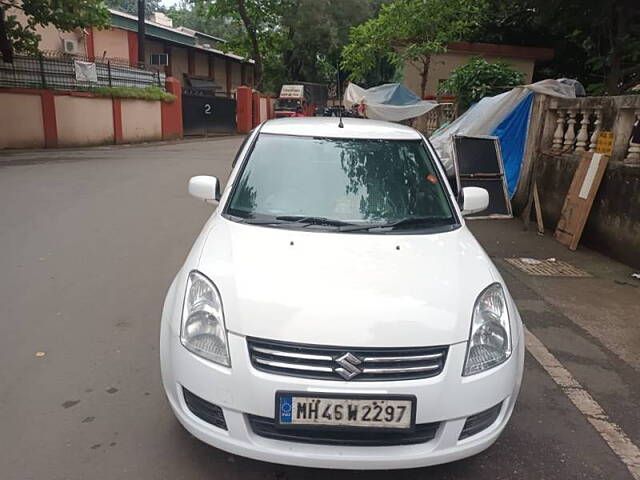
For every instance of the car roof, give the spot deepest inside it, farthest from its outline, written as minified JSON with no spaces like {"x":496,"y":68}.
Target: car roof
{"x":328,"y":127}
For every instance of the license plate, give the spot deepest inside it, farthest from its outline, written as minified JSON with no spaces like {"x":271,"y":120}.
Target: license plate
{"x":385,"y":412}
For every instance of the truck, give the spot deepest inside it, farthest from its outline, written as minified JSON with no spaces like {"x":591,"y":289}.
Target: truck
{"x":301,"y":99}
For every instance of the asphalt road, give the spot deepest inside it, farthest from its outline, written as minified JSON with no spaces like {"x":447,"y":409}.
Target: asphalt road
{"x":89,"y":242}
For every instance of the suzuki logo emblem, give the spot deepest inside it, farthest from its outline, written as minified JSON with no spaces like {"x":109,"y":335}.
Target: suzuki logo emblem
{"x":348,"y":368}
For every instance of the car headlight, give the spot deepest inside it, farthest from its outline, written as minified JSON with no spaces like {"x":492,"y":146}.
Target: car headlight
{"x":203,"y":331}
{"x":490,"y":337}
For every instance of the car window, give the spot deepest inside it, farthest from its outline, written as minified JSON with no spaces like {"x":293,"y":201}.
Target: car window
{"x":359,"y":181}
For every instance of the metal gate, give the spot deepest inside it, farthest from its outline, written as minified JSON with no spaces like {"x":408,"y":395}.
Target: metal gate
{"x":204,"y":113}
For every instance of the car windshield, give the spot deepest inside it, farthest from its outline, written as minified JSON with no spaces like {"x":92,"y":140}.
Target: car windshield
{"x":338,"y":183}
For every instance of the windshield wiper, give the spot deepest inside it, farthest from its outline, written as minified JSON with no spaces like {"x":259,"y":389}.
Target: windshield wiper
{"x":256,"y":220}
{"x":313,"y":220}
{"x":418,"y":222}
{"x":342,"y":226}
{"x":301,"y":220}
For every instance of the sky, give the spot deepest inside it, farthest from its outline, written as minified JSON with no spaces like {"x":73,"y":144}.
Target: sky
{"x":168,"y":3}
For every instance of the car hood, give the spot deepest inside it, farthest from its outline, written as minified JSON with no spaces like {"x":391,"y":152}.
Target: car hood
{"x":345,"y":289}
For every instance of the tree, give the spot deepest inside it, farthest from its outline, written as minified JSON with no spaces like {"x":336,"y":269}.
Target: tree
{"x":131,"y":6}
{"x":595,"y":41}
{"x":410,"y":30}
{"x":317,"y":30}
{"x":261,"y":31}
{"x":478,"y":78}
{"x":186,"y":14}
{"x":289,"y":40}
{"x":608,"y":32}
{"x":63,"y":14}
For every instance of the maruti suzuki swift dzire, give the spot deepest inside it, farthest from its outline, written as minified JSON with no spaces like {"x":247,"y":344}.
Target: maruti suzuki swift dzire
{"x":335,"y":311}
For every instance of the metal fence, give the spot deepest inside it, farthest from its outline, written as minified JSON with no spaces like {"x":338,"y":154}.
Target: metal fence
{"x":57,"y":71}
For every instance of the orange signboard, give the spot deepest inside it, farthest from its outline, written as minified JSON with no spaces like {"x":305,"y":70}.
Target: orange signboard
{"x":605,"y":143}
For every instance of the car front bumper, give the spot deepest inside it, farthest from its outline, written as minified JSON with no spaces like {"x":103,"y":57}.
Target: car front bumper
{"x":242,"y":390}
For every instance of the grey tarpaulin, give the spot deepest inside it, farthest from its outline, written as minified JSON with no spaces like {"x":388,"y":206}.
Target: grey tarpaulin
{"x":392,"y":102}
{"x":485,"y":116}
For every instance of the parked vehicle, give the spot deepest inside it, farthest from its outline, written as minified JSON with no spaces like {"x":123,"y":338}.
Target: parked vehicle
{"x":335,"y":311}
{"x":338,"y":111}
{"x":301,"y":99}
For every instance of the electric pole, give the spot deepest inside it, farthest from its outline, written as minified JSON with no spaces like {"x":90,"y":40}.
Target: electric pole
{"x":141,"y":8}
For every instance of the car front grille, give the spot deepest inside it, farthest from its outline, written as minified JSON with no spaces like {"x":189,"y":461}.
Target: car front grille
{"x":346,"y":363}
{"x":266,"y":427}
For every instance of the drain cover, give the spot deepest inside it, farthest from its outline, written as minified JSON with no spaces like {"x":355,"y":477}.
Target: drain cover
{"x":547,"y":268}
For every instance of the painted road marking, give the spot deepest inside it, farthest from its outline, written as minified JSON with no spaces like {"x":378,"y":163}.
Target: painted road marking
{"x":615,"y":437}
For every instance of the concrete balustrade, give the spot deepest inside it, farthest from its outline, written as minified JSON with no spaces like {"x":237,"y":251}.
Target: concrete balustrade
{"x":560,"y":131}
{"x":431,"y":121}
{"x":573,"y":125}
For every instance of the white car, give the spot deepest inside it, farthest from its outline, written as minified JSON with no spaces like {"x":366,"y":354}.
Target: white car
{"x":335,"y":311}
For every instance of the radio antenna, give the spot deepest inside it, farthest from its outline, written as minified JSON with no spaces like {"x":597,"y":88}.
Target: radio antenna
{"x":339,"y":88}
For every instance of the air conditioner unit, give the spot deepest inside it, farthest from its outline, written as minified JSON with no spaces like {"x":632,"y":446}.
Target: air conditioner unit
{"x":159,"y":59}
{"x":70,"y":46}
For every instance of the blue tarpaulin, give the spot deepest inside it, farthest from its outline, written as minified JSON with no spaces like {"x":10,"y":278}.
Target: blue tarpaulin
{"x":512,"y":133}
{"x":392,"y":94}
{"x":505,"y":116}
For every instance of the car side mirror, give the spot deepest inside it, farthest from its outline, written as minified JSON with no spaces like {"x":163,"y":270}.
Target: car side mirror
{"x":475,"y":199}
{"x":205,"y":188}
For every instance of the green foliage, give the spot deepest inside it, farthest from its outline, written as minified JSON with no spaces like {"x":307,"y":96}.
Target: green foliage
{"x":409,"y":30}
{"x":478,"y":78}
{"x":131,"y":6}
{"x":63,"y":14}
{"x":275,"y":71}
{"x":289,"y":39}
{"x":595,"y":41}
{"x":260,"y":21}
{"x":148,"y":93}
{"x":317,"y":30}
{"x":187,"y":14}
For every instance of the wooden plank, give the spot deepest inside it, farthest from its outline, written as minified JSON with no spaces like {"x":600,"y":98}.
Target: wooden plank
{"x":579,"y":200}
{"x":531,"y":156}
{"x":536,"y":203}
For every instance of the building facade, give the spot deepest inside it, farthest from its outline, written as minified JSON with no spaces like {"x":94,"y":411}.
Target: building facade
{"x":190,"y":54}
{"x":522,"y":59}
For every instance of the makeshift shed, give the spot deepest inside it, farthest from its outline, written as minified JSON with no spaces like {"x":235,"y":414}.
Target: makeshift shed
{"x":505,"y":116}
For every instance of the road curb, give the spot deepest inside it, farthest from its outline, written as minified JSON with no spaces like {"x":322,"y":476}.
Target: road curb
{"x":5,"y":154}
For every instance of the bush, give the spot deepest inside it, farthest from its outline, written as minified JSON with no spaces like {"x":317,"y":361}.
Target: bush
{"x":478,"y":78}
{"x":149,"y":93}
